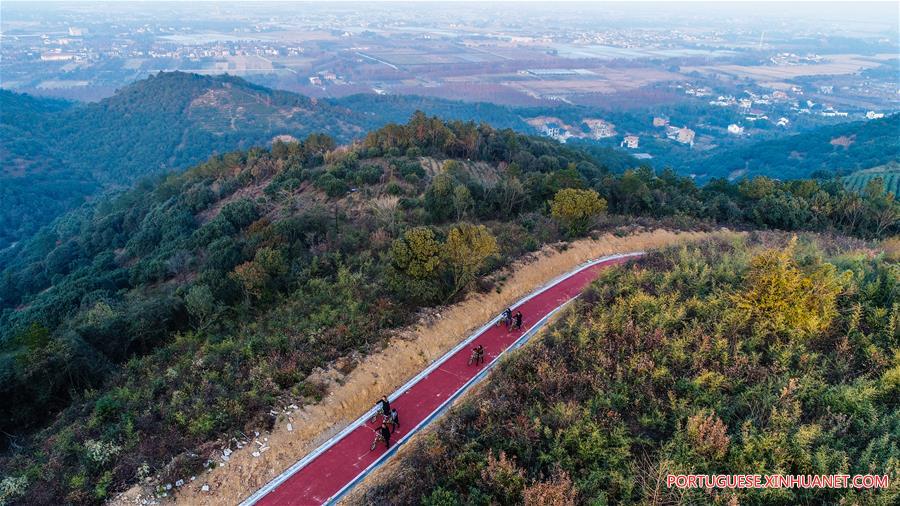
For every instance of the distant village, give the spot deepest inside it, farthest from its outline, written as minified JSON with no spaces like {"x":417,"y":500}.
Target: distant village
{"x":753,"y":107}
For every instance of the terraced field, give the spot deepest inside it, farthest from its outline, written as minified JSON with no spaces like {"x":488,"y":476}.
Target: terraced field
{"x":889,"y":174}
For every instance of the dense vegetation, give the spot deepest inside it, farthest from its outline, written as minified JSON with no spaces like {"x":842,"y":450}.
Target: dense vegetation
{"x":840,"y":149}
{"x":55,"y":154}
{"x":761,"y":202}
{"x":235,"y":279}
{"x":32,"y":189}
{"x":382,"y":109}
{"x":171,"y":121}
{"x":760,"y":356}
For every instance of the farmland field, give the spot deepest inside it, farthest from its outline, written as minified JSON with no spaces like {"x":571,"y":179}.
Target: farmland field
{"x":833,"y":65}
{"x":889,"y":174}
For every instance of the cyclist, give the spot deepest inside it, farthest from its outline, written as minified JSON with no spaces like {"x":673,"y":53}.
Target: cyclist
{"x":385,"y":406}
{"x":478,"y":353}
{"x":385,"y":434}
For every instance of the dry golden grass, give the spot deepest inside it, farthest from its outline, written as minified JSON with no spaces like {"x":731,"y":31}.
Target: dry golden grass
{"x":407,"y":353}
{"x":891,"y":248}
{"x":486,"y":174}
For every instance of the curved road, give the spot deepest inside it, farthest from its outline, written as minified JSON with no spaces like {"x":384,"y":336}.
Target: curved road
{"x":340,"y":463}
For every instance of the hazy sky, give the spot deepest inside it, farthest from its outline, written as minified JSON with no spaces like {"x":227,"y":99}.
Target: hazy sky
{"x":809,"y":7}
{"x":881,"y":14}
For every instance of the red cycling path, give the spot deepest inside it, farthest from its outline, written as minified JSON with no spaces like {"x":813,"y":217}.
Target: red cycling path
{"x":343,"y":461}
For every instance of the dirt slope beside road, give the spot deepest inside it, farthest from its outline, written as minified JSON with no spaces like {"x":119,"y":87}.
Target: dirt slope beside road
{"x":297,"y":432}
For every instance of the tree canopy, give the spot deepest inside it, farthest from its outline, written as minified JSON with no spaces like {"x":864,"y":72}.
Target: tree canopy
{"x":576,"y":208}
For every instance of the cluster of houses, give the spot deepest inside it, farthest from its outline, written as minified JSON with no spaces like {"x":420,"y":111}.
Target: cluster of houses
{"x":749,"y":106}
{"x":701,"y":91}
{"x":555,"y":133}
{"x":322,"y":77}
{"x":558,"y":130}
{"x":631,"y":142}
{"x":600,"y":129}
{"x":786,"y":59}
{"x":683,"y":135}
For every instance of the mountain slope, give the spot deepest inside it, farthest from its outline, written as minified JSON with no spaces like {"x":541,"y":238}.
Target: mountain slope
{"x":138,"y":330}
{"x":743,"y":357}
{"x":55,"y":156}
{"x":249,"y":271}
{"x":188,"y":117}
{"x":33,"y":188}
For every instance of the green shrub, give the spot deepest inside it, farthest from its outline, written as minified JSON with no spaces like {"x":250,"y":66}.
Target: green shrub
{"x":369,"y":174}
{"x":331,"y":185}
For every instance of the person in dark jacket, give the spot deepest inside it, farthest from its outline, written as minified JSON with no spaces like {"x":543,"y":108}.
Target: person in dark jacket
{"x":385,"y":434}
{"x":385,"y":406}
{"x":518,"y":319}
{"x":478,"y":353}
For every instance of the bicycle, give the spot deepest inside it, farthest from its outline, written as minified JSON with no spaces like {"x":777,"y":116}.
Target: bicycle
{"x":505,"y":319}
{"x":378,"y":438}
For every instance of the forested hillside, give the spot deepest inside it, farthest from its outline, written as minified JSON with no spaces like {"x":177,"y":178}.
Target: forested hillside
{"x":838,"y":149}
{"x":761,"y":356}
{"x":55,"y":154}
{"x":234,"y":280}
{"x":141,"y":327}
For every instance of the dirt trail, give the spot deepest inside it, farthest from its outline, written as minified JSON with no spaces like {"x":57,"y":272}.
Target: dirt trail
{"x":297,"y":433}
